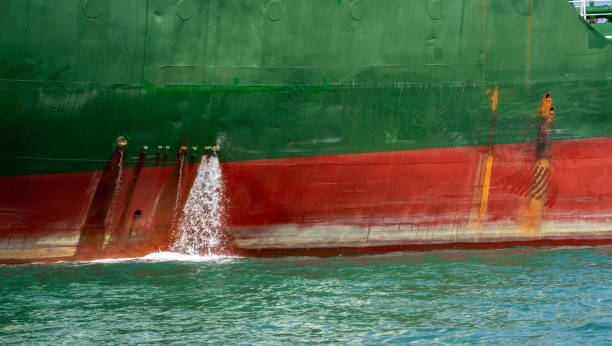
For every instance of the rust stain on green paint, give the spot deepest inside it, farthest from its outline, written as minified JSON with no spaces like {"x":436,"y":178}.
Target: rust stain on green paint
{"x":540,"y":193}
{"x":488,"y":161}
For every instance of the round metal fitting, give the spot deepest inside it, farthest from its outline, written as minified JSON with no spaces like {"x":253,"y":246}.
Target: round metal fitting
{"x":274,"y":10}
{"x":92,"y":9}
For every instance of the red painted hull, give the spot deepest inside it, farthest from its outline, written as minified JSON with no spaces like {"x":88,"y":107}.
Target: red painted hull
{"x":344,"y":204}
{"x":115,"y":213}
{"x":379,"y":249}
{"x":420,"y":199}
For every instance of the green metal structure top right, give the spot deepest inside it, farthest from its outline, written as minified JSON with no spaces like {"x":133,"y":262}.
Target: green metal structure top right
{"x":598,"y":13}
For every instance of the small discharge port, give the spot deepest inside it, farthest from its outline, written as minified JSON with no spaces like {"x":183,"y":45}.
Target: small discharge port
{"x":212,"y":150}
{"x":121,"y":142}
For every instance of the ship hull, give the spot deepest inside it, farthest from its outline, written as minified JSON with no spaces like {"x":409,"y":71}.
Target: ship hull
{"x":344,"y":126}
{"x":326,"y":205}
{"x":422,"y":199}
{"x":114,"y":213}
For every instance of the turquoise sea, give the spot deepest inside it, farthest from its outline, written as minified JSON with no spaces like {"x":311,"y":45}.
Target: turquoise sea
{"x":508,"y":296}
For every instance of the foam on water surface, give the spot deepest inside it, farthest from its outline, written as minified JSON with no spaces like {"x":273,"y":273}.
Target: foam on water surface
{"x":164,"y":257}
{"x":179,"y":257}
{"x":199,"y":230}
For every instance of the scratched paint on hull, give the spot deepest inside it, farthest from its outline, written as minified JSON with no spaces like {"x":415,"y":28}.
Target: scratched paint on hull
{"x":299,"y":237}
{"x":386,"y":200}
{"x":278,"y":87}
{"x":421,"y":189}
{"x":119,"y":212}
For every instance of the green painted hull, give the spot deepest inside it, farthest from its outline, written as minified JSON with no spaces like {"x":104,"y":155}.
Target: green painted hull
{"x":344,"y":126}
{"x":281,"y":79}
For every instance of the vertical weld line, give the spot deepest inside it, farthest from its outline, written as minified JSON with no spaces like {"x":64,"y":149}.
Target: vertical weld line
{"x":461,"y":27}
{"x":529,"y":39}
{"x":146,"y":37}
{"x":484,"y":38}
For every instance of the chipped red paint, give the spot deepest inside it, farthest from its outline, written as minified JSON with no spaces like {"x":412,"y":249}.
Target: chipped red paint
{"x":362,"y":189}
{"x":420,"y":187}
{"x":129,"y":220}
{"x":580,"y":171}
{"x":350,"y":251}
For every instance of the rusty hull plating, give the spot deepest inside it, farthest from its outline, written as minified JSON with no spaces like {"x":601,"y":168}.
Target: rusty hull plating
{"x":345,"y":126}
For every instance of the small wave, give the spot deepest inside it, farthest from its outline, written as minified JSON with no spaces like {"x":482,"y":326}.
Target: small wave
{"x":179,"y":257}
{"x":108,"y":260}
{"x":164,"y":257}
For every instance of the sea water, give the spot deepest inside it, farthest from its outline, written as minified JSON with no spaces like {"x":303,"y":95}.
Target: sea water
{"x":508,"y":296}
{"x":193,"y":296}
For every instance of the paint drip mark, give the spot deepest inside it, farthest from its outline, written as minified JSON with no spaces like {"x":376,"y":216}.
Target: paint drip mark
{"x":119,"y":234}
{"x":101,"y":208}
{"x":169,"y":203}
{"x":486,"y":171}
{"x":177,"y":202}
{"x":115,"y":205}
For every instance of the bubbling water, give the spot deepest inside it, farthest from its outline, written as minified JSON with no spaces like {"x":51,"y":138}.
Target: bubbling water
{"x":200,"y":228}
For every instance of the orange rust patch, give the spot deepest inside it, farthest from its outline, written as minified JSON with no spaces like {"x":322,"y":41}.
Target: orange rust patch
{"x":488,"y":162}
{"x":540,"y":195}
{"x":494,"y":99}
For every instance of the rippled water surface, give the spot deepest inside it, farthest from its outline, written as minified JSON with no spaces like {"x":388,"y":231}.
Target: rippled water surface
{"x":547,"y":295}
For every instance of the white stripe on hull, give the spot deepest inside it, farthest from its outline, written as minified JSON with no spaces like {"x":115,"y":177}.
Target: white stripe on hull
{"x":291,"y":236}
{"x":62,"y":244}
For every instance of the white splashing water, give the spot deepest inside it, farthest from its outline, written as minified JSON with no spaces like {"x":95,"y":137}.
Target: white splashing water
{"x":200,"y":228}
{"x":164,"y":257}
{"x":177,"y":257}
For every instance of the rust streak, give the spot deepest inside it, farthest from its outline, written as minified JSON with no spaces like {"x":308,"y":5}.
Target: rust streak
{"x":540,"y":195}
{"x":119,"y":234}
{"x":486,"y":179}
{"x":100,"y":212}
